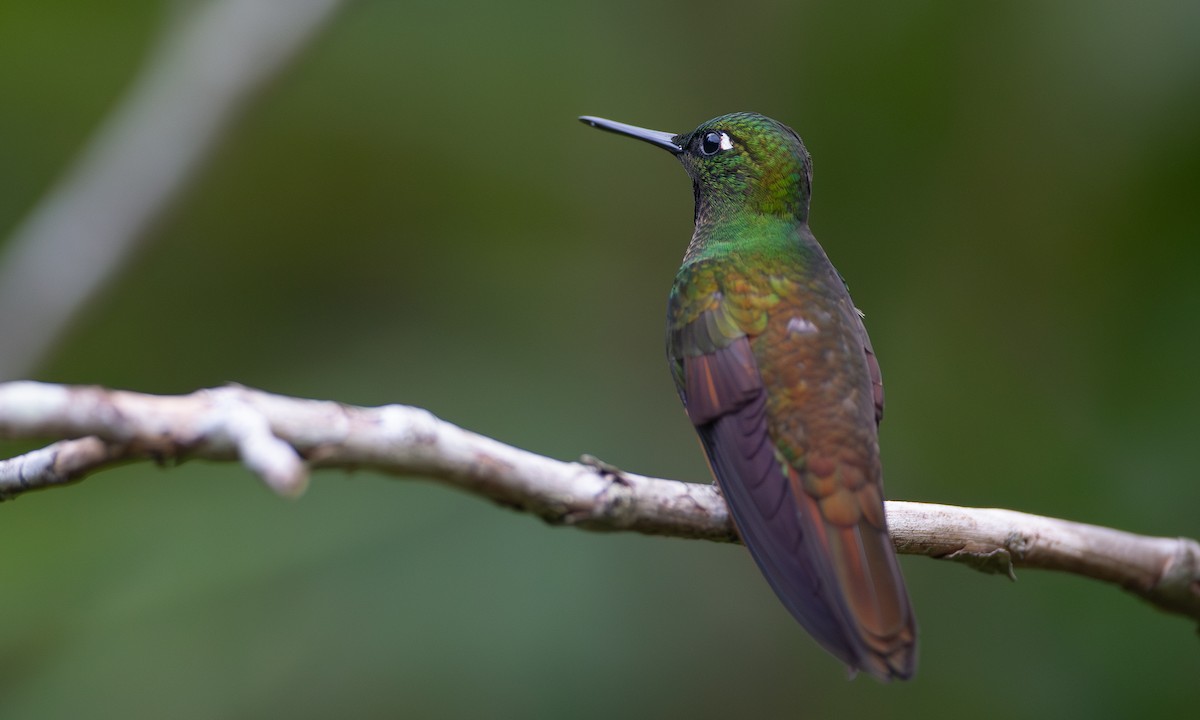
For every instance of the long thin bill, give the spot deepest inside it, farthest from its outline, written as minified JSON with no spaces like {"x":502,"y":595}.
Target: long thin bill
{"x":664,"y":140}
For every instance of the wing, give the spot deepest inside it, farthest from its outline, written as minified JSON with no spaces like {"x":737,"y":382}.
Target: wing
{"x":872,"y":367}
{"x":831,"y":564}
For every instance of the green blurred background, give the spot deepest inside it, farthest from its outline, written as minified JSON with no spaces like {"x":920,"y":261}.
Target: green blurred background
{"x":413,"y":214}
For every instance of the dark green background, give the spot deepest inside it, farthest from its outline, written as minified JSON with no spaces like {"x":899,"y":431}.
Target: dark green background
{"x":413,"y":214}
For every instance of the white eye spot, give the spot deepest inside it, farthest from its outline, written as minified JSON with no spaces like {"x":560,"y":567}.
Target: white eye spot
{"x":714,"y":142}
{"x":800,"y":326}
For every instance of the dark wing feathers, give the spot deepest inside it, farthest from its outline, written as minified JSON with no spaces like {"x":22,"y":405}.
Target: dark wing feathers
{"x":721,"y":380}
{"x":763,"y":508}
{"x":872,"y":368}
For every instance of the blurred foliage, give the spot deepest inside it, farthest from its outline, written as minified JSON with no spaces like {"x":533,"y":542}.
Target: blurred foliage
{"x":414,"y":215}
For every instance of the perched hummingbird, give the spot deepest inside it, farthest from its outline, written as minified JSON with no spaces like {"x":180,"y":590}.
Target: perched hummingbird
{"x":776,"y":372}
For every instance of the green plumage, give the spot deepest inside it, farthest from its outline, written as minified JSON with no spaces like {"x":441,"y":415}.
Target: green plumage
{"x":778,"y":376}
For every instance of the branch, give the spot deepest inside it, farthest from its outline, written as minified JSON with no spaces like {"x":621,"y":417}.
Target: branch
{"x":280,"y":438}
{"x":208,"y":66}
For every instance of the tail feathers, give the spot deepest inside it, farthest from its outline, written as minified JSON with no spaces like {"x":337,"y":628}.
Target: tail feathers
{"x":872,"y":592}
{"x":841,"y":582}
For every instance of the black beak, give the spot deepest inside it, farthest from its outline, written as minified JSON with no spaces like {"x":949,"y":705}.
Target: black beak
{"x":664,"y":140}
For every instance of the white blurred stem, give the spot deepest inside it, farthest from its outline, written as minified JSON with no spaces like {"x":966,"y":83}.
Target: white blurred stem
{"x":212,"y":60}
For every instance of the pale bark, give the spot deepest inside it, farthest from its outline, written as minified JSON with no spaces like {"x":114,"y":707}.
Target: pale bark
{"x":280,"y":438}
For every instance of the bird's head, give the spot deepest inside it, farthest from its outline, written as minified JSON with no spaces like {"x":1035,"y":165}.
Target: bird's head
{"x":741,"y":162}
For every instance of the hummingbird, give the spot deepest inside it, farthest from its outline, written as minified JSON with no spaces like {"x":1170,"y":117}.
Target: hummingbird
{"x":776,"y":372}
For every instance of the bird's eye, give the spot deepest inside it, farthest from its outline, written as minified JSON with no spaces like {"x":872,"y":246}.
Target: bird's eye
{"x":714,"y":142}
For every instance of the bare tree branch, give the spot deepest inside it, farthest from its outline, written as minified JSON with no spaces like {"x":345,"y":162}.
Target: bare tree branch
{"x":209,"y":64}
{"x":279,"y":438}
